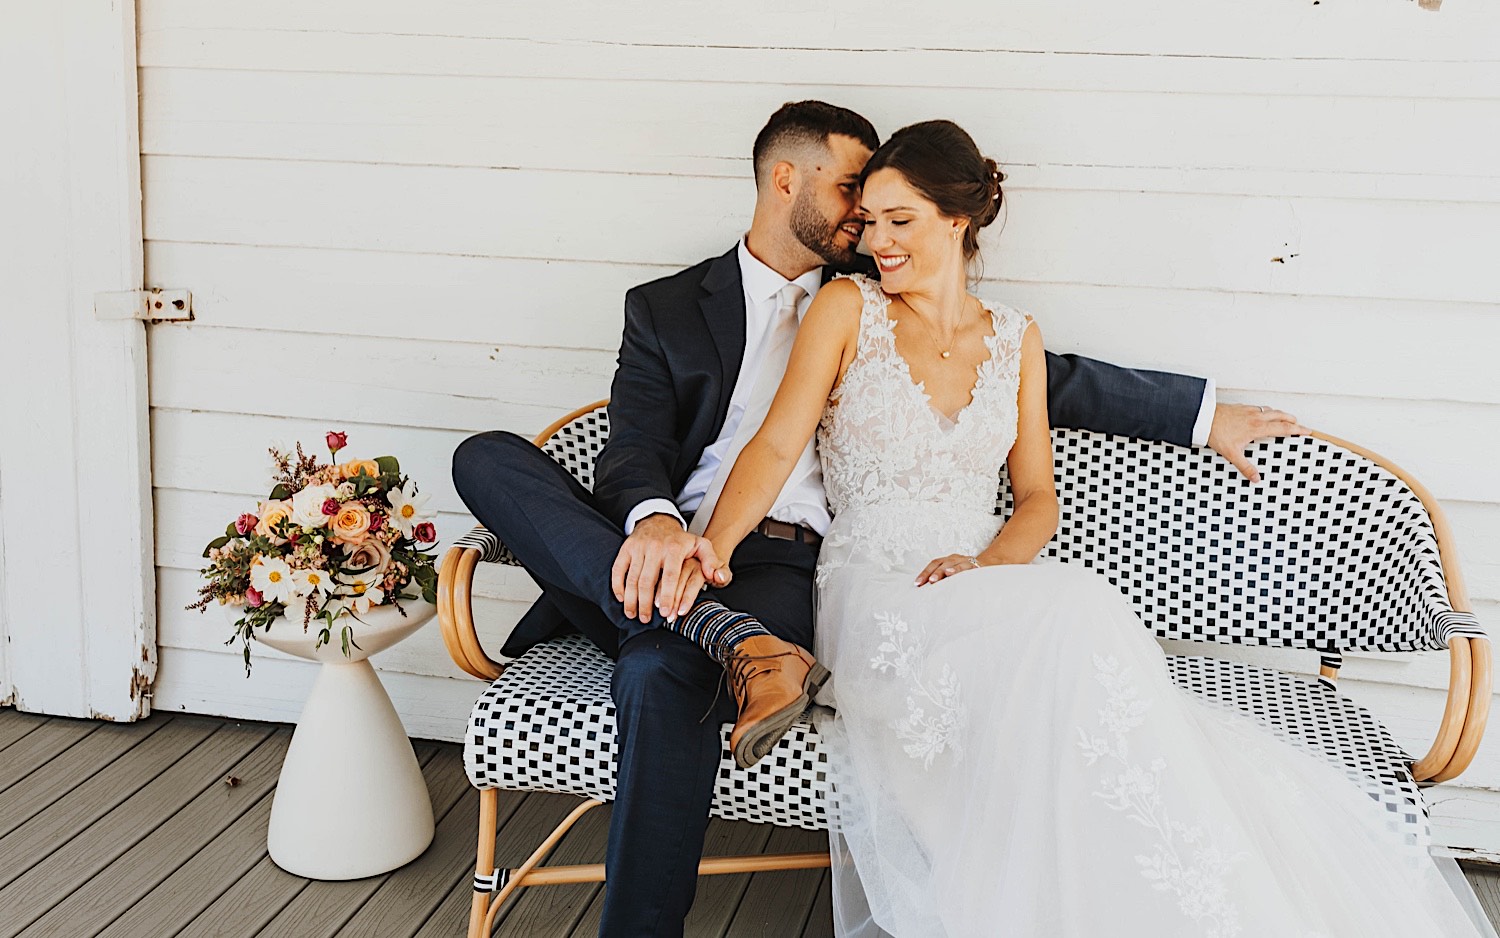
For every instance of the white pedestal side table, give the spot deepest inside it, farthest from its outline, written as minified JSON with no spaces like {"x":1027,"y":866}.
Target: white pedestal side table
{"x":351,"y":801}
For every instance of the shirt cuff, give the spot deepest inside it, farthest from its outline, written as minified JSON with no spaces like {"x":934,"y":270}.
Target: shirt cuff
{"x":652,"y":506}
{"x":1205,"y":423}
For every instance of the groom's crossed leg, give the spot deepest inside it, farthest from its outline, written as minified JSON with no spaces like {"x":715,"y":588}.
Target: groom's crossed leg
{"x":667,"y":691}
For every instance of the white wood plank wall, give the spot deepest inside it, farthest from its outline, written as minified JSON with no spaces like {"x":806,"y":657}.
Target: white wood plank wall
{"x":415,"y":222}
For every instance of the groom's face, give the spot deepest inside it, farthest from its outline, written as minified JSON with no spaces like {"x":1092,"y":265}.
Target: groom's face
{"x":825,"y":216}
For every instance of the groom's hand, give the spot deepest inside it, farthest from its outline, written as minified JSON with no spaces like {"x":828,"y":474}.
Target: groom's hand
{"x":1236,"y":426}
{"x":650,"y":563}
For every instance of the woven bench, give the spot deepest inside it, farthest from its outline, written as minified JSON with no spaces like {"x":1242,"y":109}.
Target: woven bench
{"x":1335,"y":550}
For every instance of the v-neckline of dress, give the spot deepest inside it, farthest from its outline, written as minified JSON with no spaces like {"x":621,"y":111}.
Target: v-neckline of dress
{"x":921,"y":386}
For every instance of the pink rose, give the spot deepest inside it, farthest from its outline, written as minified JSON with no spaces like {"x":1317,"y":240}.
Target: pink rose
{"x":246,"y":523}
{"x":336,"y":440}
{"x":330,"y":506}
{"x":425,"y":532}
{"x":377,"y":521}
{"x":253,"y":598}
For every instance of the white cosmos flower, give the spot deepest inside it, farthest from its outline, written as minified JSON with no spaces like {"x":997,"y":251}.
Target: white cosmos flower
{"x":311,"y":582}
{"x":407,"y":508}
{"x":370,"y":597}
{"x":272,"y":578}
{"x":307,"y":506}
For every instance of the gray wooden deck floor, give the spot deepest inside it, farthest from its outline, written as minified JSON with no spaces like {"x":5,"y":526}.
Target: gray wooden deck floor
{"x":129,"y":830}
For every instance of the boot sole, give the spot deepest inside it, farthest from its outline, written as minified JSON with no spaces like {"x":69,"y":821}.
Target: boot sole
{"x":759,"y":739}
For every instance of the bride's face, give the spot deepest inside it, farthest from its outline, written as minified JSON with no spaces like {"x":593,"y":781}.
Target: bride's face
{"x":913,"y":243}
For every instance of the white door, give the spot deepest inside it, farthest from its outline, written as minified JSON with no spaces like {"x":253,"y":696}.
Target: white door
{"x":77,"y":595}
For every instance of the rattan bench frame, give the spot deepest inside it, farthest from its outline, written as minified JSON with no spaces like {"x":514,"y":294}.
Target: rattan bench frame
{"x":1465,"y":713}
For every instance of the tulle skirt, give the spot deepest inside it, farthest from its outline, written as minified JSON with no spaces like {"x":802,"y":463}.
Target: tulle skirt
{"x":1011,"y":758}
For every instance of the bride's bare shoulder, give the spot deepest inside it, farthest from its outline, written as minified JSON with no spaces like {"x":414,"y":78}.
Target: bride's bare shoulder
{"x":838,"y":301}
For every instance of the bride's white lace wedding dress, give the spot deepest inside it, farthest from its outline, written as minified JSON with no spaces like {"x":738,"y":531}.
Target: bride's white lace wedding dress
{"x":1009,"y":753}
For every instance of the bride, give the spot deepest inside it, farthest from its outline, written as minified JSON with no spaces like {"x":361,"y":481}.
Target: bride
{"x":1009,"y":753}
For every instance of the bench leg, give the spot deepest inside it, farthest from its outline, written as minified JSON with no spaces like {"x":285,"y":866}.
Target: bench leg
{"x":484,"y":865}
{"x":514,"y":879}
{"x":491,"y":892}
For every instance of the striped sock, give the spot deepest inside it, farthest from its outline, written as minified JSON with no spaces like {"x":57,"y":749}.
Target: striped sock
{"x":716,"y":628}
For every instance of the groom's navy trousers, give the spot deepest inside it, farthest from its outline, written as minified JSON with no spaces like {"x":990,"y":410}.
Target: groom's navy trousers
{"x":669,"y":702}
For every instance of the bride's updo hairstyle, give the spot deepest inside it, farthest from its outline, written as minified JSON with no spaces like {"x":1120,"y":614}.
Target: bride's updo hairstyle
{"x":940,"y":161}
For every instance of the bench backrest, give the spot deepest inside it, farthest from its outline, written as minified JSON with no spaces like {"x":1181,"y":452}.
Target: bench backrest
{"x":1330,"y":551}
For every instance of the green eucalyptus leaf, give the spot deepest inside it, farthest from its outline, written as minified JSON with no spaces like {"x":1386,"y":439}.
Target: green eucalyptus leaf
{"x":388,"y":465}
{"x":280,"y":492}
{"x":216,"y":542}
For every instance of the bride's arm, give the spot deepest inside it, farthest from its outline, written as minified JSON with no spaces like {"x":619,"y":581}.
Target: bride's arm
{"x":824,"y":346}
{"x":1034,"y":521}
{"x":822,"y":350}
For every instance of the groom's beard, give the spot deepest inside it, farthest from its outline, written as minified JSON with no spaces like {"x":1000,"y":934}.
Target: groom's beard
{"x":818,"y":234}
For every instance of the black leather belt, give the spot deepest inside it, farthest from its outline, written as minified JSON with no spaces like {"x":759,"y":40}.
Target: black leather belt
{"x":770,"y":527}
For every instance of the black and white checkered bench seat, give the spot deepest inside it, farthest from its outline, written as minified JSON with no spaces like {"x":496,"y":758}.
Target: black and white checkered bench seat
{"x":547,"y":724}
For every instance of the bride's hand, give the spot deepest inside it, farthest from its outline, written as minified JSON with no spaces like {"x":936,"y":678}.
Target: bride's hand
{"x":694,"y":578}
{"x":944,"y":567}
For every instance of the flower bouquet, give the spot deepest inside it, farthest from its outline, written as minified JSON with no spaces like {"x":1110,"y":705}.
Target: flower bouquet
{"x":331,"y":541}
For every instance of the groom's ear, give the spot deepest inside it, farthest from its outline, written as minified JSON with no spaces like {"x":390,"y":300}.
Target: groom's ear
{"x":784,"y":179}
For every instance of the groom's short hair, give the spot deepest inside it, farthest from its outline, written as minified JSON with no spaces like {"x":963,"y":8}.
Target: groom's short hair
{"x":798,"y":124}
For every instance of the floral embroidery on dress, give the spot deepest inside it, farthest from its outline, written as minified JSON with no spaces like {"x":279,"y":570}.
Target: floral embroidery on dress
{"x":882,"y":441}
{"x":926,"y":736}
{"x":1185,"y":860}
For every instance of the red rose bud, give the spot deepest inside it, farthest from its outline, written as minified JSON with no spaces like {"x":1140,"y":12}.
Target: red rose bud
{"x":377,"y":521}
{"x":246,"y":523}
{"x":336,"y":440}
{"x":330,"y":506}
{"x":253,"y":598}
{"x":425,"y":532}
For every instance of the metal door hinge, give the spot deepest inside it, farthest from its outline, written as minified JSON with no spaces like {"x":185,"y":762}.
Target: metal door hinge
{"x":154,"y":305}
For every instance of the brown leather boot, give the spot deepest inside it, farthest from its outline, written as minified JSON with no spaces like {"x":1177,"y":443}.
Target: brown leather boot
{"x":773,"y":682}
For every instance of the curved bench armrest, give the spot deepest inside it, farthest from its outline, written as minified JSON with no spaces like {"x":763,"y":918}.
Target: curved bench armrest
{"x":1452,"y":625}
{"x":455,"y":604}
{"x":1476,"y":711}
{"x":456,"y":575}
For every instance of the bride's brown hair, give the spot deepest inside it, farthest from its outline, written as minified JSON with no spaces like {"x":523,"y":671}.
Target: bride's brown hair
{"x":939,"y":160}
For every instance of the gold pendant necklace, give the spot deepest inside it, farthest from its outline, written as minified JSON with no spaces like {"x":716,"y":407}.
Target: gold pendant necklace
{"x":948,"y":352}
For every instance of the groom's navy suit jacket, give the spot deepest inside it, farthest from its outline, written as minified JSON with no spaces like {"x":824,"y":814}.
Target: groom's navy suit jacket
{"x":680,"y":358}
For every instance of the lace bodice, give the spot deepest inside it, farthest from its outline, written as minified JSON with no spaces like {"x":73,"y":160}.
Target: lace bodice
{"x":882,"y":441}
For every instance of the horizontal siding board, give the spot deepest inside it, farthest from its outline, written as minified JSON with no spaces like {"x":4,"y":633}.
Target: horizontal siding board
{"x":560,"y":303}
{"x":270,"y":50}
{"x":1348,"y":346}
{"x":1329,"y":247}
{"x":1280,"y":30}
{"x":351,"y":377}
{"x":1378,"y":144}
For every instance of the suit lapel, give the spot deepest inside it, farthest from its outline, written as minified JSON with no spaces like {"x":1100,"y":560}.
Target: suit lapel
{"x":723,"y":307}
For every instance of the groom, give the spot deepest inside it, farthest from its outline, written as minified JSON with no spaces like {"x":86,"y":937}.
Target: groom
{"x":608,"y":561}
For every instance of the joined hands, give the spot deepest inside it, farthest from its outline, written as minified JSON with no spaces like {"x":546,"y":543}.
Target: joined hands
{"x":661,"y":565}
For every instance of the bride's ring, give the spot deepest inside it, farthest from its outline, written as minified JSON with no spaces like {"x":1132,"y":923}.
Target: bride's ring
{"x":975,"y":562}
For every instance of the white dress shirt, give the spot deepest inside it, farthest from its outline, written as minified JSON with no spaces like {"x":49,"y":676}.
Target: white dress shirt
{"x":802,"y":502}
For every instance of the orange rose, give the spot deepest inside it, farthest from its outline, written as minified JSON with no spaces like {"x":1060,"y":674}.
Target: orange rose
{"x":351,"y":523}
{"x":355,"y":467}
{"x":272,"y":514}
